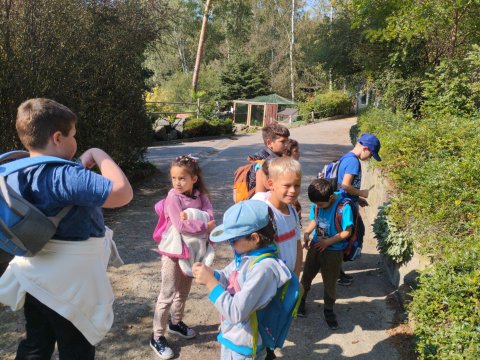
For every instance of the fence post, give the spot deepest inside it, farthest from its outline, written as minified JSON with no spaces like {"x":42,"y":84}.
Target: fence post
{"x":198,"y":108}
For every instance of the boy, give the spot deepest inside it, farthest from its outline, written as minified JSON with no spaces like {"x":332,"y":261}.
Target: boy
{"x":349,"y":180}
{"x":275,"y":136}
{"x":64,"y":289}
{"x":284,"y":179}
{"x":239,"y":289}
{"x":326,"y":249}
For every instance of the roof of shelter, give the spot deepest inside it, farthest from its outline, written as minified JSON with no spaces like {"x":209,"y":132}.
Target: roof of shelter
{"x":268,"y":99}
{"x":288,"y":112}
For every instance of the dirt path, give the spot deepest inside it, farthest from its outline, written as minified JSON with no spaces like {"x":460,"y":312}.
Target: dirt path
{"x":363,"y":311}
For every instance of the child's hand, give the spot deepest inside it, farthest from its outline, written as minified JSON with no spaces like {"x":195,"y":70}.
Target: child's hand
{"x":362,"y":202}
{"x":364,"y":193}
{"x":210,"y":226}
{"x":204,"y":275}
{"x":306,"y":240}
{"x":87,"y":159}
{"x":183,"y":216}
{"x":322,"y":245}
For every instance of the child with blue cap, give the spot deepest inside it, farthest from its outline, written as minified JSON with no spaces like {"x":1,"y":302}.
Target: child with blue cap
{"x":241,"y":288}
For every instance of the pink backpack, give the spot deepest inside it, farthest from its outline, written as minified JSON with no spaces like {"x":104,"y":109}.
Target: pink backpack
{"x":162,"y":221}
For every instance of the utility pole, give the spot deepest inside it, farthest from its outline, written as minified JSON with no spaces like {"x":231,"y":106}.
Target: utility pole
{"x":330,"y":82}
{"x":292,"y":41}
{"x":196,"y":70}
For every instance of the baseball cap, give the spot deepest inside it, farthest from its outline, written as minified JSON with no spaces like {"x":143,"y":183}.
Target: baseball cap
{"x":373,"y":144}
{"x":241,"y":219}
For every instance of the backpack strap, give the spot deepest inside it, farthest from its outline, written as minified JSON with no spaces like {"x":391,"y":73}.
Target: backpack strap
{"x":13,"y":155}
{"x":26,"y":162}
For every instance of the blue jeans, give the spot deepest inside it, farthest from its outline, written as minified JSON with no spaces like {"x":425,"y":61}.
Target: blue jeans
{"x":227,"y":354}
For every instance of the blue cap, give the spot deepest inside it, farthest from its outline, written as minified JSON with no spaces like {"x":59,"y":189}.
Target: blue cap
{"x":241,"y":219}
{"x":372,"y":142}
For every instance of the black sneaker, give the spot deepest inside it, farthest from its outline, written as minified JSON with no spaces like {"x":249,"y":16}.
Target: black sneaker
{"x":270,"y":354}
{"x":345,"y":275}
{"x":301,"y":309}
{"x":181,"y":330}
{"x":344,"y":279}
{"x":331,"y":319}
{"x":161,"y":347}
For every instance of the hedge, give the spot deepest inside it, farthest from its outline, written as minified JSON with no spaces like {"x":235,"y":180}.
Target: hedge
{"x":326,"y":104}
{"x":433,"y":166}
{"x":203,"y":127}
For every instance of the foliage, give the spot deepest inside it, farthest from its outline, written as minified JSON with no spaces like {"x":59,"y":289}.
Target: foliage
{"x":203,"y":127}
{"x":432,"y":164}
{"x":354,"y":133}
{"x":242,"y":79}
{"x":326,"y":104}
{"x":86,"y":55}
{"x":391,"y":241}
{"x":452,"y":88}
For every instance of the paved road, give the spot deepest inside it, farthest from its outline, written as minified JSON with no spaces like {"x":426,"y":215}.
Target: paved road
{"x":362,"y":309}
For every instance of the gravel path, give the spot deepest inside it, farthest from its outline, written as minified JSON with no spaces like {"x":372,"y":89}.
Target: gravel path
{"x":366,"y":313}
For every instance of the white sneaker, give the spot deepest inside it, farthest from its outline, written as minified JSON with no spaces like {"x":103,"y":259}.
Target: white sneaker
{"x":161,"y":348}
{"x":181,"y":330}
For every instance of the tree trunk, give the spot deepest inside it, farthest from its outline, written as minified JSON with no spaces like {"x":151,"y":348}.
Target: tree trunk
{"x":292,"y":42}
{"x":196,"y":70}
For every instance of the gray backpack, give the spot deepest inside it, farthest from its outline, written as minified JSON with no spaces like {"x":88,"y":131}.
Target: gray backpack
{"x":24,"y":229}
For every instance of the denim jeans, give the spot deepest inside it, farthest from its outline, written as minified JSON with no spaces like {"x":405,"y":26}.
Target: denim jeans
{"x":227,"y":354}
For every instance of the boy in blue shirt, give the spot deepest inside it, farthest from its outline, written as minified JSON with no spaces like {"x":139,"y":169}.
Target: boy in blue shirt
{"x":349,"y":181}
{"x":64,"y":288}
{"x":325,"y":251}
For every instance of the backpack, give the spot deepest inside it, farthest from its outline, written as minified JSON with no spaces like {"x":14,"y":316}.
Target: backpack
{"x":355,"y":243}
{"x":162,"y":221}
{"x":330,"y":171}
{"x":273,"y":321}
{"x":24,"y":229}
{"x":243,"y":187}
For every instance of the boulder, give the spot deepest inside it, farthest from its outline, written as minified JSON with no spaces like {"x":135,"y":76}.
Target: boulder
{"x":160,"y":133}
{"x":173,"y":135}
{"x":160,"y":122}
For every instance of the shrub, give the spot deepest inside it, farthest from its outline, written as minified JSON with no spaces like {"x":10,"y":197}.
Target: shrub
{"x":202,"y":127}
{"x":326,"y":104}
{"x":433,"y":166}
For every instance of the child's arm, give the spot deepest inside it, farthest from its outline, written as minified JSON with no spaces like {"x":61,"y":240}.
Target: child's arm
{"x":299,"y":261}
{"x":122,"y":192}
{"x":238,"y":308}
{"x":347,"y":186}
{"x":207,"y":205}
{"x":173,"y":210}
{"x":260,"y":181}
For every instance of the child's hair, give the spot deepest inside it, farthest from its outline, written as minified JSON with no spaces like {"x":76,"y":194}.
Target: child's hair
{"x":281,"y":165}
{"x":273,"y":131}
{"x":289,"y":146}
{"x":267,"y":233}
{"x":191,"y":164}
{"x":320,"y":190}
{"x":38,"y":119}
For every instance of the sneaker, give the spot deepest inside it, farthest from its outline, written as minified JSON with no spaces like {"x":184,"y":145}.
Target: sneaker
{"x":344,"y":279}
{"x":345,"y":275}
{"x":331,"y":319}
{"x":161,"y":347}
{"x":181,"y":330}
{"x":301,"y":309}
{"x":270,"y":354}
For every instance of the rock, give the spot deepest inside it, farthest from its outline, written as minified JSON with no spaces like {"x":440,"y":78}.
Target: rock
{"x":178,"y":123}
{"x":173,"y":135}
{"x":160,"y":122}
{"x":160,"y":133}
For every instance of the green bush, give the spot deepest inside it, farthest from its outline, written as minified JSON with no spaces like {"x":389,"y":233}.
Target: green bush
{"x":326,"y":104}
{"x":202,"y":127}
{"x":433,"y":166}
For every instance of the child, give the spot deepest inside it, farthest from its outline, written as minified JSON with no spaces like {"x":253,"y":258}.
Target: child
{"x":284,"y":178}
{"x":326,"y":249}
{"x":188,"y":191}
{"x":292,"y":149}
{"x":275,"y":137}
{"x":64,"y":289}
{"x":239,"y":290}
{"x":349,"y":180}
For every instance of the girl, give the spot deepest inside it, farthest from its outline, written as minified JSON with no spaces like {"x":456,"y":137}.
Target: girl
{"x":188,"y":191}
{"x":292,"y":149}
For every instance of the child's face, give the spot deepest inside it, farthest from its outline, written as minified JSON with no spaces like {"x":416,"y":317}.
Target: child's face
{"x":296,"y":153}
{"x":285,"y":187}
{"x":182,"y":181}
{"x":325,"y":204}
{"x":66,"y":145}
{"x":365,"y":154}
{"x":277,"y":145}
{"x":245,"y":245}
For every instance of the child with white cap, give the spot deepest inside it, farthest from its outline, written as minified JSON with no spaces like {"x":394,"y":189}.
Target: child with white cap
{"x":241,"y":288}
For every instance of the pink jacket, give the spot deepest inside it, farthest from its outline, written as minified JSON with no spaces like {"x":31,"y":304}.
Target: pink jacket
{"x":176,"y":202}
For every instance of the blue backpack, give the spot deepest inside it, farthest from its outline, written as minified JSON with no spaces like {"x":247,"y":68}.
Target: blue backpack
{"x":273,"y":321}
{"x":330,"y":171}
{"x":24,"y":229}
